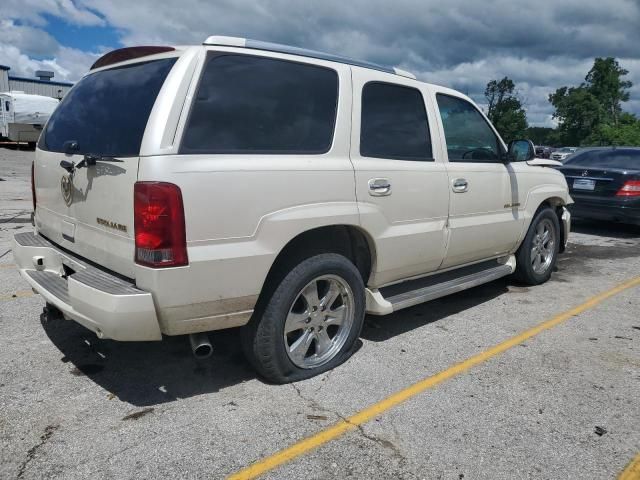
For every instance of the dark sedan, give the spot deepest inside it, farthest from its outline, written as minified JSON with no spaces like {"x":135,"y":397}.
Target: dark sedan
{"x":605,"y":183}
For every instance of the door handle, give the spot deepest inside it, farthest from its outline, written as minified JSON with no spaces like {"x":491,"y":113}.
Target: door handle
{"x":460,"y":185}
{"x":379,"y":187}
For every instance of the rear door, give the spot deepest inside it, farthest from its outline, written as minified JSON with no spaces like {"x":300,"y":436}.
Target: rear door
{"x":89,"y":210}
{"x":401,"y":180}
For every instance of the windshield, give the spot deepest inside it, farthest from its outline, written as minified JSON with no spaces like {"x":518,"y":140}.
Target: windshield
{"x":106,"y":112}
{"x":567,"y":150}
{"x":626,"y":159}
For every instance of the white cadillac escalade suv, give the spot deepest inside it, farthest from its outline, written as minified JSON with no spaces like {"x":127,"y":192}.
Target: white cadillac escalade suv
{"x":179,"y":190}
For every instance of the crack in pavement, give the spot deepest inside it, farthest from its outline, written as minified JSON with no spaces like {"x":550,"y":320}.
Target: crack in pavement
{"x":386,"y":444}
{"x":312,"y":403}
{"x":44,"y":438}
{"x":323,"y":379}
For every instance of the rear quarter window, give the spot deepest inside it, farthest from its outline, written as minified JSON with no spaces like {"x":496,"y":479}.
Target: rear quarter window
{"x":257,"y":105}
{"x":106,"y":112}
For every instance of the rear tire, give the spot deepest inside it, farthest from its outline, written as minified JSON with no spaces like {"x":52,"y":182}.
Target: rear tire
{"x":536,"y":258}
{"x":310,"y":323}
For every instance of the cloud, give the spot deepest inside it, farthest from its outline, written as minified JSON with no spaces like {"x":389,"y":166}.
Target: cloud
{"x":34,"y":12}
{"x":431,"y":33}
{"x":461,"y":43}
{"x":68,"y":64}
{"x":541,"y":45}
{"x":29,"y":40}
{"x":25,"y":45}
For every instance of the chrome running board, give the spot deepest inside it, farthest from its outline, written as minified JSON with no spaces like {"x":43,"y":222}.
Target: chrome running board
{"x":410,"y":293}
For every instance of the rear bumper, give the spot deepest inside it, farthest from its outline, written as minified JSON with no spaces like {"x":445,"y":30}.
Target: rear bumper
{"x":102,"y":302}
{"x":606,"y":212}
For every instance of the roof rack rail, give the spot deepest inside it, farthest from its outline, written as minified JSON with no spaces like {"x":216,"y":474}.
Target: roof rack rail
{"x":404,"y":73}
{"x":281,"y":48}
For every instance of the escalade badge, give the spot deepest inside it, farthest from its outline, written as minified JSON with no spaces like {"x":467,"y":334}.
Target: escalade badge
{"x":66,"y":186}
{"x":110,"y":224}
{"x":585,"y":173}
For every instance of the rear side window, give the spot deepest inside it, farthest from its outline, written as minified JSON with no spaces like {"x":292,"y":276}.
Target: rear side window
{"x":625,"y":159}
{"x":469,"y":137}
{"x":258,"y":105}
{"x":107,"y":111}
{"x":394,"y":123}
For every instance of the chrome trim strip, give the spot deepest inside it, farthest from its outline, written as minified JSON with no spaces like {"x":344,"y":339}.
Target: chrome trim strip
{"x":603,"y":179}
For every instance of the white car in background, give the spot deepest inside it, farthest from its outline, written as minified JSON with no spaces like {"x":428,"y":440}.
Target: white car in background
{"x":562,"y":153}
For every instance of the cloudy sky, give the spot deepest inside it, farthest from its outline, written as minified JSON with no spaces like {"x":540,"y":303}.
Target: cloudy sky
{"x":458,"y":43}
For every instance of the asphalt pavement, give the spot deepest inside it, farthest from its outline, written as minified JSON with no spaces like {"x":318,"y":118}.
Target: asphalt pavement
{"x":565,"y":403}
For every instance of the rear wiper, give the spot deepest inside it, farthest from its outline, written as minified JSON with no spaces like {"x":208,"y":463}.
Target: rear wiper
{"x":88,"y":160}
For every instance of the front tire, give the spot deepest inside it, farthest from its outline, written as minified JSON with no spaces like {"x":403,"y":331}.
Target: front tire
{"x":311,"y":322}
{"x":537,"y":256}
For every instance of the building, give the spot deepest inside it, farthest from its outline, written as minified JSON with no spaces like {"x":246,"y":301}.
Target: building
{"x":43,"y":85}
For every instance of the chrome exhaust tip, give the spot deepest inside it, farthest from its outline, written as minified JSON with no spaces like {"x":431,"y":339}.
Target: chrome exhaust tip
{"x":200,"y":345}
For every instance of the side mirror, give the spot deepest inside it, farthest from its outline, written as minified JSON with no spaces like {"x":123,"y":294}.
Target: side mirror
{"x":521,"y":151}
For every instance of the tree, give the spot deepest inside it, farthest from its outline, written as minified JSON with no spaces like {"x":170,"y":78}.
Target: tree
{"x":578,"y":112}
{"x":591,"y":114}
{"x":627,"y":132}
{"x":496,"y":92}
{"x":604,"y":81}
{"x":505,"y":109}
{"x":541,"y":135}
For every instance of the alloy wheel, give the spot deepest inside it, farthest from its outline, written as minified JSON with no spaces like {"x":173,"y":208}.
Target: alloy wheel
{"x":543,"y":249}
{"x":319,"y":321}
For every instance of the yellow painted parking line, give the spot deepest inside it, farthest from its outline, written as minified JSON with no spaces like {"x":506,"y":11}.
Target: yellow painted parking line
{"x":369,"y":413}
{"x":632,"y":472}
{"x":18,"y":294}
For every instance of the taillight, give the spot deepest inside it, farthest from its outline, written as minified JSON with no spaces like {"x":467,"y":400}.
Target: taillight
{"x":631,"y":188}
{"x":159,"y":225}
{"x":33,"y":185}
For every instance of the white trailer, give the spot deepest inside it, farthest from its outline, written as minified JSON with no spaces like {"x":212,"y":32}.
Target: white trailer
{"x":22,"y":115}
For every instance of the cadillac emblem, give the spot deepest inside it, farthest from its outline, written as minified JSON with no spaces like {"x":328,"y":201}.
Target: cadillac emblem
{"x":66,"y":187}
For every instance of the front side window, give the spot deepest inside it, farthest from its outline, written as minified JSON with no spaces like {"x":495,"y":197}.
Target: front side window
{"x":106,"y":112}
{"x":469,"y":137}
{"x":394,"y":123}
{"x":258,"y":105}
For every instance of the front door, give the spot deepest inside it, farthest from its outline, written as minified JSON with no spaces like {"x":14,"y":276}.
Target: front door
{"x":401,"y":183}
{"x":484,"y":219}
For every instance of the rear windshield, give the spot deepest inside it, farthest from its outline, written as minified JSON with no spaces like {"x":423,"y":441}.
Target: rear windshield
{"x":625,"y":159}
{"x":106,"y":112}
